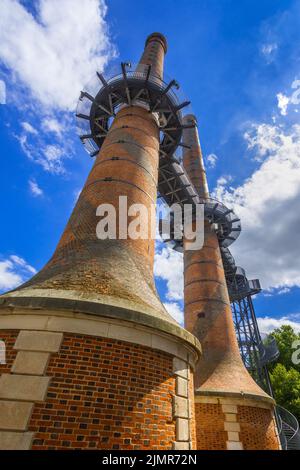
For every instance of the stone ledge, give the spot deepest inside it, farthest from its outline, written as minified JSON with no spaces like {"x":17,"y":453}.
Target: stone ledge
{"x":78,"y":323}
{"x":43,"y":300}
{"x":233,"y":398}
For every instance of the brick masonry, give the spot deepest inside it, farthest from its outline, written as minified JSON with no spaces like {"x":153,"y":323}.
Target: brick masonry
{"x":9,"y":337}
{"x":258,"y":429}
{"x":90,"y":392}
{"x":112,"y":395}
{"x":210,"y":431}
{"x":223,"y":425}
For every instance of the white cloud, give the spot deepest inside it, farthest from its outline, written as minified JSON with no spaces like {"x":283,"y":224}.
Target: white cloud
{"x":13,"y":271}
{"x":268,"y":324}
{"x":28,"y":128}
{"x":2,"y":92}
{"x":175,"y":311}
{"x":52,"y":125}
{"x":54,"y":53}
{"x":268,"y":204}
{"x":50,"y":157}
{"x":283,"y":102}
{"x":168,"y":266}
{"x":211,"y":160}
{"x":35,"y":189}
{"x":223,"y":180}
{"x":52,"y":160}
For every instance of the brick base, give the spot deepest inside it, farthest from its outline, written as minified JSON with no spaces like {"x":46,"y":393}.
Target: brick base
{"x":210,"y":433}
{"x":257,"y":428}
{"x":106,"y":394}
{"x":75,"y":391}
{"x":226,"y":424}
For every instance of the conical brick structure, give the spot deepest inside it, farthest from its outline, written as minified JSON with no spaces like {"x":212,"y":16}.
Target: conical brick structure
{"x":95,"y":359}
{"x":232,"y":412}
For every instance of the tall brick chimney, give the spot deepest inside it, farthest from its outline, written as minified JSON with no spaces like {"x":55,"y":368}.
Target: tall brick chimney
{"x":95,"y":359}
{"x":232,"y":412}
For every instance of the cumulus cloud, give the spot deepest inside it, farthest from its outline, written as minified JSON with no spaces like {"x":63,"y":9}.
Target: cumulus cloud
{"x":168,"y":266}
{"x":211,"y":160}
{"x":268,"y":324}
{"x":35,"y":189}
{"x":175,"y":311}
{"x":56,"y":51}
{"x":50,"y":51}
{"x":268,"y":204}
{"x":13,"y":271}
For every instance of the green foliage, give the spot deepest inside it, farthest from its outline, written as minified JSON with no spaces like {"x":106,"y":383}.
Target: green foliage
{"x":286,"y":388}
{"x":285,"y":337}
{"x":285,"y":373}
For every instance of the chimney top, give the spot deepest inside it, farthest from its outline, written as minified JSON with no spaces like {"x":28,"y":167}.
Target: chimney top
{"x":158,"y":37}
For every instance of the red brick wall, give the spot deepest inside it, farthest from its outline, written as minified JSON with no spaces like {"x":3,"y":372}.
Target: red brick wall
{"x":106,"y":394}
{"x":9,"y":337}
{"x":257,"y":428}
{"x":210,"y":427}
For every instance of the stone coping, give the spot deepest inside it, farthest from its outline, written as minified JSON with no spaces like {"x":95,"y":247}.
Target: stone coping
{"x":177,"y":342}
{"x":242,"y":397}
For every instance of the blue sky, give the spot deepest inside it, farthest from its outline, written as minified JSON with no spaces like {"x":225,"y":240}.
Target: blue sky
{"x":237,"y":61}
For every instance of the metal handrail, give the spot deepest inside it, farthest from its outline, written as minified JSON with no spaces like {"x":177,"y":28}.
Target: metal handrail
{"x":269,"y":351}
{"x":290,"y":428}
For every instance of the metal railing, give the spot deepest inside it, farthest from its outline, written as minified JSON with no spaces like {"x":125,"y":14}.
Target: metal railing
{"x":288,"y":429}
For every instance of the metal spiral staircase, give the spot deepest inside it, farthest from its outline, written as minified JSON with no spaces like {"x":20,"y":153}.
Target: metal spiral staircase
{"x":257,"y":353}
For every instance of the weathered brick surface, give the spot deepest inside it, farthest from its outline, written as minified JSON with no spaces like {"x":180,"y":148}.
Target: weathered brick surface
{"x":155,"y":49}
{"x":127,"y":165}
{"x":210,"y":427}
{"x":9,"y":337}
{"x":257,"y":428}
{"x":106,"y":394}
